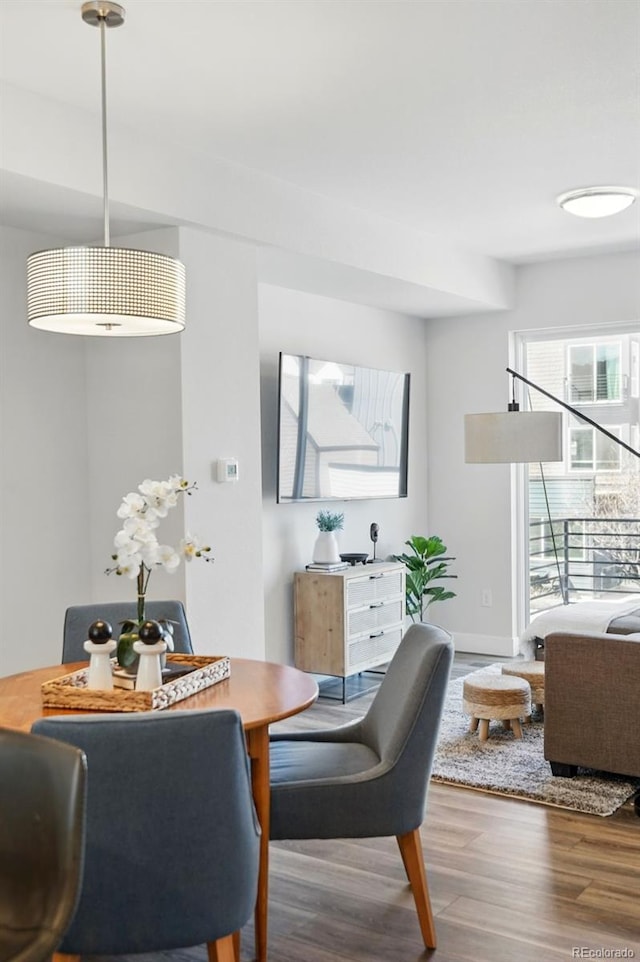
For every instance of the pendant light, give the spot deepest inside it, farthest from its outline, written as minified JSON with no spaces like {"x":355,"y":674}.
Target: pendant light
{"x":105,"y":291}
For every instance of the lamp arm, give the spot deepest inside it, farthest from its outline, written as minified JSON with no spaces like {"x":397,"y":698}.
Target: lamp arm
{"x":574,"y":411}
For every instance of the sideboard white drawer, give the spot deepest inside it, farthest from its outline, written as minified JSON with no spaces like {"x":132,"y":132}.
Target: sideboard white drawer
{"x":374,"y":649}
{"x":374,"y":587}
{"x":376,"y":616}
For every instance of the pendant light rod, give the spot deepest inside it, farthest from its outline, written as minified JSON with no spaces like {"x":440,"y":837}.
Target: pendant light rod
{"x":105,"y":170}
{"x":575,"y":412}
{"x":103,"y":14}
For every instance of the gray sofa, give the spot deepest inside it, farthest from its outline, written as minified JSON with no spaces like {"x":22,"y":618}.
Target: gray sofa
{"x":592,"y":703}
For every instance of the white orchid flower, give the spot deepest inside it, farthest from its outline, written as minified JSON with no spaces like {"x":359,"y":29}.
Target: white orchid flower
{"x":150,"y":553}
{"x":122,"y":539}
{"x":157,"y":495}
{"x":178,"y":483}
{"x":132,"y":506}
{"x":168,"y":558}
{"x":137,"y":548}
{"x":140,"y":529}
{"x":128,"y":564}
{"x":189,"y":547}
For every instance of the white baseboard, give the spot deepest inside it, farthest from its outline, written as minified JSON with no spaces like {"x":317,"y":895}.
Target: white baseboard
{"x":485,"y":644}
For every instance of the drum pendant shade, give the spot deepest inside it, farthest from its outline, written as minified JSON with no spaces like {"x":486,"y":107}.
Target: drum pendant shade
{"x":99,"y":291}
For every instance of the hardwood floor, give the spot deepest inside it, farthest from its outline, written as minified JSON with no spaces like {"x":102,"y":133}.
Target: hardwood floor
{"x":510,"y":881}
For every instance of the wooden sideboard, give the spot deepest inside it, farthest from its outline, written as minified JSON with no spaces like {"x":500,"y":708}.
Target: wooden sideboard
{"x":348,"y":621}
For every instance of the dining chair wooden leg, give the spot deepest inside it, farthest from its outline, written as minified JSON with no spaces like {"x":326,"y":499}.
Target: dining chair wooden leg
{"x":236,"y":945}
{"x":411,"y":851}
{"x":223,"y":950}
{"x":404,"y":858}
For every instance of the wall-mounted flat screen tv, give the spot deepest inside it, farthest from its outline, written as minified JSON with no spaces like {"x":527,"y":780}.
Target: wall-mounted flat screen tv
{"x":343,"y":431}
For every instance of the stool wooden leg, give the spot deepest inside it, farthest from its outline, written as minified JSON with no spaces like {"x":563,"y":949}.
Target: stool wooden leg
{"x":517,"y":727}
{"x":474,"y":725}
{"x":484,"y":729}
{"x":507,"y":723}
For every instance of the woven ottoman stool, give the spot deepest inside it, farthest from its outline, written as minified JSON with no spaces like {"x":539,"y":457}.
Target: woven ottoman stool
{"x":503,"y":697}
{"x":531,"y":671}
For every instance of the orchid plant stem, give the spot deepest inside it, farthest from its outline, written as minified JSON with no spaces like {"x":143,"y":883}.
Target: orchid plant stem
{"x":143,"y":581}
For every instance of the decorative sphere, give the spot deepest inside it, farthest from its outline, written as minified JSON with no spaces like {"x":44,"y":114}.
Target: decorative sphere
{"x":150,"y":632}
{"x":100,"y":632}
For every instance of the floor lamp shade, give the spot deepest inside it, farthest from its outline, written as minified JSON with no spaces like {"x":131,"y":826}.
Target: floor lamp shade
{"x":109,"y":291}
{"x":513,"y":436}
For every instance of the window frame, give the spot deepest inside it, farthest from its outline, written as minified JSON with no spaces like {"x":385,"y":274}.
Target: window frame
{"x":594,"y":346}
{"x":597,"y":437}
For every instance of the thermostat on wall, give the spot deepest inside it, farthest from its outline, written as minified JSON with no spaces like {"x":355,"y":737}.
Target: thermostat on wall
{"x":227,"y":469}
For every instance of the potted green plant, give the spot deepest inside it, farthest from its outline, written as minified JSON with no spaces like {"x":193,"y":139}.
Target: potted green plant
{"x":427,"y":563}
{"x":326,"y":547}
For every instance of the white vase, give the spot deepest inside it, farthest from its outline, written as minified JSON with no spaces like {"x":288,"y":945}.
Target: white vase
{"x":325,"y":550}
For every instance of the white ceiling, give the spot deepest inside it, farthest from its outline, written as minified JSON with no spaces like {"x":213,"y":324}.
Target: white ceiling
{"x":460,"y":118}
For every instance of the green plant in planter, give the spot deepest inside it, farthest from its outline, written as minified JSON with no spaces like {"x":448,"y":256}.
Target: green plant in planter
{"x":425,"y":566}
{"x":328,"y":521}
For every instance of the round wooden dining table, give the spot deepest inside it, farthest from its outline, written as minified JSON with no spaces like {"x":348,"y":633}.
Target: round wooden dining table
{"x":261,"y":691}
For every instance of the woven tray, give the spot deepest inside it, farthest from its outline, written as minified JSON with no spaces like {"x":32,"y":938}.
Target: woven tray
{"x":70,"y":691}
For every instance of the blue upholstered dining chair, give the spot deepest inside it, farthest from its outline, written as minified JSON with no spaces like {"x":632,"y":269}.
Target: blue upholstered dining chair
{"x":79,"y":617}
{"x":171,"y":856}
{"x":42,"y":810}
{"x":370,"y":778}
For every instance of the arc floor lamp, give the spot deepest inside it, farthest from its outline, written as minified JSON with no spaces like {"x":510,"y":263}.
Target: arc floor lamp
{"x":517,"y":436}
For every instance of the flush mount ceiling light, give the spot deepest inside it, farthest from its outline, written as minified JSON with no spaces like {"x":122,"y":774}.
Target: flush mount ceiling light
{"x":597,"y":201}
{"x":105,"y":291}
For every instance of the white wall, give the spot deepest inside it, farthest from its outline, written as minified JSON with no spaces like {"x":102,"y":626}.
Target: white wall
{"x":301,"y":323}
{"x":221,"y":419}
{"x":44,"y":489}
{"x":465,"y":374}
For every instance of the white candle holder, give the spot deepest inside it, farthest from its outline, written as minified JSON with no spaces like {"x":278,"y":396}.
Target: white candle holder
{"x":100,"y":676}
{"x":149,"y":672}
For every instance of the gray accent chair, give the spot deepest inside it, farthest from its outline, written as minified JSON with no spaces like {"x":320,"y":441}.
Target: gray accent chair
{"x":42,"y":820}
{"x":79,"y":617}
{"x":370,"y":778}
{"x":171,"y":856}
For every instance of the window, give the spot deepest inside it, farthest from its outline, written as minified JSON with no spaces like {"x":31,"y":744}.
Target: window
{"x":592,"y":451}
{"x":635,"y":369}
{"x":594,"y":373}
{"x":583,"y":496}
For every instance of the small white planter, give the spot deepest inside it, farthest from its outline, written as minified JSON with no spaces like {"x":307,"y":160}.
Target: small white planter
{"x":325,"y":550}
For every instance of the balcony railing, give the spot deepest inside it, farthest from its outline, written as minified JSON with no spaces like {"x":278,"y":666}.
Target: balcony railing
{"x":593,"y":557}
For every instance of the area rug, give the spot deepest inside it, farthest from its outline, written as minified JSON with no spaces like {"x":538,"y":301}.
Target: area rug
{"x":516,"y":767}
